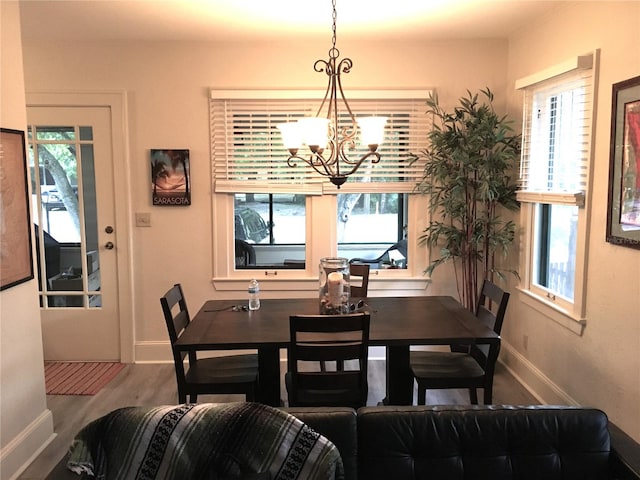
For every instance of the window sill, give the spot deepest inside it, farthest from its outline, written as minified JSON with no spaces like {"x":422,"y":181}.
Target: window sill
{"x":559,"y":315}
{"x":388,"y":286}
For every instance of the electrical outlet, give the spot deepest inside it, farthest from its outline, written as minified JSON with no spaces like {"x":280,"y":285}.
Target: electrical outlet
{"x":143,"y":219}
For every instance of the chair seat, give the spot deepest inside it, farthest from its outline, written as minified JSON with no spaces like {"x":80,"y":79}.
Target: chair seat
{"x":234,"y":369}
{"x":325,"y":398}
{"x":444,"y":365}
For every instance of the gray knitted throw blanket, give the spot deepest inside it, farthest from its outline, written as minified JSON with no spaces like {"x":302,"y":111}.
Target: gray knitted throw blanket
{"x":203,"y":441}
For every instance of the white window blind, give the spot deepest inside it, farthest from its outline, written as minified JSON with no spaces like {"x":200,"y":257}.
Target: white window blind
{"x":556,"y":134}
{"x":248,"y":154}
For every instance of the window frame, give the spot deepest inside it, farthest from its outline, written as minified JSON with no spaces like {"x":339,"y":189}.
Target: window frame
{"x":571,"y":314}
{"x":321,"y":226}
{"x":321,"y":213}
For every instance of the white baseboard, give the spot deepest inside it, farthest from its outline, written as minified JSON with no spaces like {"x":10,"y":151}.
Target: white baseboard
{"x":539,"y":385}
{"x":531,"y":378}
{"x":160,"y":352}
{"x":18,"y":454}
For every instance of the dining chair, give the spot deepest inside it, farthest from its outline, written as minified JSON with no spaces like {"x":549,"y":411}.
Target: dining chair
{"x":328,"y":338}
{"x":234,"y":374}
{"x":360,"y":273}
{"x":245,"y":253}
{"x":465,"y":366}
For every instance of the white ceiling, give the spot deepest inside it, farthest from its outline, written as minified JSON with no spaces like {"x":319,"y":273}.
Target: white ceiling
{"x":251,"y":19}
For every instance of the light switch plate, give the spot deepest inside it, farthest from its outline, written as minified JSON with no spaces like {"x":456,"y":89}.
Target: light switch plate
{"x":143,"y":219}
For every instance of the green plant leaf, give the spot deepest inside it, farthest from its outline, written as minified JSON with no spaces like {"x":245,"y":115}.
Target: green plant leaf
{"x":468,"y":175}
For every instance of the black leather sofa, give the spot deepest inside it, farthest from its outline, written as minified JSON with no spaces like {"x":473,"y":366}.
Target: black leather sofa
{"x":471,"y":442}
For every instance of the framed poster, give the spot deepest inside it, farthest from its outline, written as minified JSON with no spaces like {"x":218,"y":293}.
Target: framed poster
{"x":170,"y":177}
{"x":16,"y":261}
{"x":623,"y":214}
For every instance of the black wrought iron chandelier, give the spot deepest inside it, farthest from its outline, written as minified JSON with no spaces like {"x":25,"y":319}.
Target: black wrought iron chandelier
{"x":327,"y":141}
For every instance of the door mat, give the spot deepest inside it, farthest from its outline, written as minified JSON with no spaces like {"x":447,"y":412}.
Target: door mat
{"x":78,"y":378}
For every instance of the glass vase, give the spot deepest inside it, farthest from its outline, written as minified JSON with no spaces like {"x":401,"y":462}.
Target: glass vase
{"x":334,"y":290}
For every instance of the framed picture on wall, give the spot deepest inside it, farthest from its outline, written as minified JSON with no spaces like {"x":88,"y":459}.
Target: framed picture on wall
{"x":170,"y":177}
{"x":16,"y":261}
{"x":623,"y":214}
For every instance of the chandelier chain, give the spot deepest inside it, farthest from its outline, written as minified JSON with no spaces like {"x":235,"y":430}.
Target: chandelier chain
{"x":334,"y":28}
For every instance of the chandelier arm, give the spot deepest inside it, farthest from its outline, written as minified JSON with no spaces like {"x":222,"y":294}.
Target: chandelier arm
{"x":325,"y":171}
{"x":324,"y":66}
{"x":345,"y":67}
{"x":356,"y":164}
{"x":316,"y":160}
{"x":348,"y":132}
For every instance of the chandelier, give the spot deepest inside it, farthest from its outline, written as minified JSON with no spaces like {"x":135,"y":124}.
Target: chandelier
{"x":327,"y":142}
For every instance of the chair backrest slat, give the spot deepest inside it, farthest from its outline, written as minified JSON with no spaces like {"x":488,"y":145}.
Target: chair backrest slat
{"x":328,"y":352}
{"x":359,"y":273}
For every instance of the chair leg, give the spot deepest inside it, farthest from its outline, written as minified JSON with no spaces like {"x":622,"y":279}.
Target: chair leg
{"x":193,"y":398}
{"x":323,"y":366}
{"x":488,"y":395}
{"x":473,"y":396}
{"x":250,"y":394}
{"x":182,"y":397}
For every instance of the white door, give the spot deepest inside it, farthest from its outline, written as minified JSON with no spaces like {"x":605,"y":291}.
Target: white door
{"x":71,"y":160}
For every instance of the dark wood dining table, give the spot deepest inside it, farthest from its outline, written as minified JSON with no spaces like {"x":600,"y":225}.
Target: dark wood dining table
{"x":396,"y":323}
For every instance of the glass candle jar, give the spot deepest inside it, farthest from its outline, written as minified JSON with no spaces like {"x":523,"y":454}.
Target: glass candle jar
{"x":334,"y":290}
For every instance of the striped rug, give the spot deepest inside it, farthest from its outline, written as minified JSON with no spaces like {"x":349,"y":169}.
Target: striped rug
{"x":78,"y":378}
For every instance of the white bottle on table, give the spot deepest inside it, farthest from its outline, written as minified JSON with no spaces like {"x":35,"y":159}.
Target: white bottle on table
{"x":254,"y":295}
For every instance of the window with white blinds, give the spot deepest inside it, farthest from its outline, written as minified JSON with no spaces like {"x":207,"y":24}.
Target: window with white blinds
{"x":557,"y":124}
{"x":558,"y":120}
{"x":248,"y":154}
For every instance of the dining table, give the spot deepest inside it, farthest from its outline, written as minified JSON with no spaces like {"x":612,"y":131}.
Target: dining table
{"x":397,"y":323}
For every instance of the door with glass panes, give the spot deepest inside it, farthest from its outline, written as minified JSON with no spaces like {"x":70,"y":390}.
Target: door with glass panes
{"x":70,"y":156}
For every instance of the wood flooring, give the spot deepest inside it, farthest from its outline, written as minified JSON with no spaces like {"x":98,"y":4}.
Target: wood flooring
{"x":155,"y":384}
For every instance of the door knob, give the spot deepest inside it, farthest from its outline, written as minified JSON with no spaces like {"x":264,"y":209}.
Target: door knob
{"x":108,"y":245}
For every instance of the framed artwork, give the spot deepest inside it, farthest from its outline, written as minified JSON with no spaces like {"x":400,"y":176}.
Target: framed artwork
{"x":16,"y":261}
{"x":623,"y":214}
{"x":170,"y":177}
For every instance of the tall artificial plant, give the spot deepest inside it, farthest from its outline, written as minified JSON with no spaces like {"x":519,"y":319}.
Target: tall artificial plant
{"x":468,"y":169}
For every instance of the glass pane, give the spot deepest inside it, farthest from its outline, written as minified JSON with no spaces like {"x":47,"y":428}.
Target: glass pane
{"x":66,"y":230}
{"x":90,"y":222}
{"x":59,"y":200}
{"x":555,"y":249}
{"x":86,"y":133}
{"x":56,"y":133}
{"x":270,"y":230}
{"x":371,"y":228}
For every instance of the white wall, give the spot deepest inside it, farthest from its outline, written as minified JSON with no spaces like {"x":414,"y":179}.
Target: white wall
{"x":167,"y":89}
{"x":26,"y":424}
{"x":601,"y":368}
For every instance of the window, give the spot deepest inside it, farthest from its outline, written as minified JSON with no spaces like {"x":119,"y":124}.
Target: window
{"x":301,"y":217}
{"x":273,"y":226}
{"x":372,"y":227}
{"x":556,"y":157}
{"x":64,"y":205}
